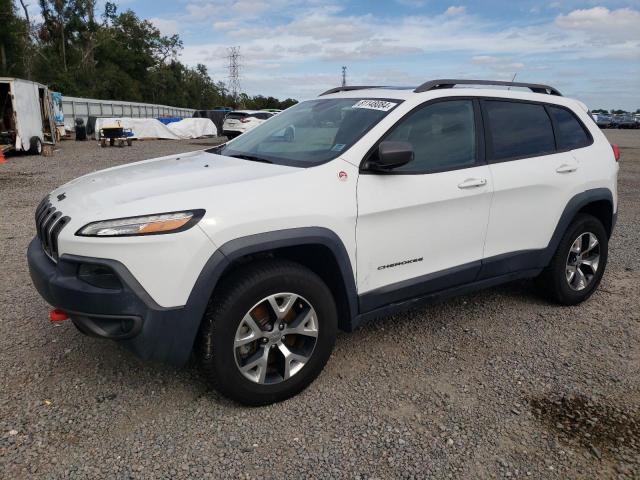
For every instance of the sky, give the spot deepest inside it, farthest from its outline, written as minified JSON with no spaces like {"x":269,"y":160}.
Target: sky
{"x":589,"y":50}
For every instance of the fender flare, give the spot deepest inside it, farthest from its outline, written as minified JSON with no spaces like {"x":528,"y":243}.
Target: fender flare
{"x":232,"y":250}
{"x":574,"y":205}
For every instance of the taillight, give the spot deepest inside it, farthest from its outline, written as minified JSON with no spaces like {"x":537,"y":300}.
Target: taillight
{"x":245,"y":120}
{"x":616,"y":151}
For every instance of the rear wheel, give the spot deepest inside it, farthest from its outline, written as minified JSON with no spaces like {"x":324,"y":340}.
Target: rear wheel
{"x":577,"y":267}
{"x":267,"y":332}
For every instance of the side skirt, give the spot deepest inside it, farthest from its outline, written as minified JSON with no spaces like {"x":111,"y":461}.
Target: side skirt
{"x":435,"y":297}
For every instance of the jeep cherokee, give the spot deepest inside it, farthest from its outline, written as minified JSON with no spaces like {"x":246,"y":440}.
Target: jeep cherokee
{"x":353,"y":205}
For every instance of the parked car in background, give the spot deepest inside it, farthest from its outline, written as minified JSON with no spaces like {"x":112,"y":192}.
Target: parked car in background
{"x":240,"y":121}
{"x":625,"y":121}
{"x":603,"y":121}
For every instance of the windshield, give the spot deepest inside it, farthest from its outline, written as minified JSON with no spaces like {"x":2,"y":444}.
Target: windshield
{"x":309,"y":133}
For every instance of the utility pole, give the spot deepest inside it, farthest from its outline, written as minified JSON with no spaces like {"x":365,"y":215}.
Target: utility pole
{"x":234,"y":73}
{"x":344,"y":76}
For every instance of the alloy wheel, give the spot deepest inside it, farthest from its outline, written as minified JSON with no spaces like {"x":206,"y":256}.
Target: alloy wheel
{"x":582,"y":261}
{"x":276,"y":338}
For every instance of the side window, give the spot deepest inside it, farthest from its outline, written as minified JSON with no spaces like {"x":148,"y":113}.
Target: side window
{"x":442,"y":134}
{"x":518,"y":130}
{"x":569,"y":130}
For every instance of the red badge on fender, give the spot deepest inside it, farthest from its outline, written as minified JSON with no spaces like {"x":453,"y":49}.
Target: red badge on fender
{"x":342,"y":175}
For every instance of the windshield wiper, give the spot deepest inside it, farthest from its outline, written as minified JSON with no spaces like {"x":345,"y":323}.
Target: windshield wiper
{"x":252,"y":158}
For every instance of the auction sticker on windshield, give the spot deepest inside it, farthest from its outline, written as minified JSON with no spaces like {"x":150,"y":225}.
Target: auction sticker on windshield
{"x":383,"y":105}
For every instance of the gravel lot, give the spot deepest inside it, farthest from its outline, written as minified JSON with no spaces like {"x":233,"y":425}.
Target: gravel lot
{"x":492,"y":385}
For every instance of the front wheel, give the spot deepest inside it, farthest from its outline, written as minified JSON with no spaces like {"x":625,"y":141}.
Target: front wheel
{"x":268,"y":332}
{"x":577,"y":267}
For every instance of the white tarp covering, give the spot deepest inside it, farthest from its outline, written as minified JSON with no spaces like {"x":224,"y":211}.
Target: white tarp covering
{"x":152,"y":128}
{"x":193,"y":128}
{"x":28,"y":116}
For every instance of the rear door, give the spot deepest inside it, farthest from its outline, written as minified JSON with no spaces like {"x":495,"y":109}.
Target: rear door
{"x":533,"y":181}
{"x":421,"y":228}
{"x":26,"y":102}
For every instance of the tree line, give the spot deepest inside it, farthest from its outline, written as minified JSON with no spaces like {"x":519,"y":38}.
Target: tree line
{"x":109,"y":55}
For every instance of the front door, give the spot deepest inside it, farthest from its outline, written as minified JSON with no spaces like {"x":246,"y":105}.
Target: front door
{"x":422,"y":227}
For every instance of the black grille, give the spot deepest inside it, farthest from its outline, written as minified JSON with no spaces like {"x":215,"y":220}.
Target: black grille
{"x":49,"y":222}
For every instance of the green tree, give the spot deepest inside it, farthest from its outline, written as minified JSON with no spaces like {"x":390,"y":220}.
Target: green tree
{"x":14,"y":33}
{"x":113,"y":55}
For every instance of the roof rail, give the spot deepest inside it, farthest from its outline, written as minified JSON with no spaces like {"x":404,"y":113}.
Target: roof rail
{"x":348,"y":88}
{"x":449,"y":83}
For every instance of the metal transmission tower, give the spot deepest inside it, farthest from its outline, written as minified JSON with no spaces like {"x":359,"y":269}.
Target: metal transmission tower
{"x":234,"y":73}
{"x":344,"y":76}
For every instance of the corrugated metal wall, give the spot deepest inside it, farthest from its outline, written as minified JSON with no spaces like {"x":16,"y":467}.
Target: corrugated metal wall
{"x":74,"y":107}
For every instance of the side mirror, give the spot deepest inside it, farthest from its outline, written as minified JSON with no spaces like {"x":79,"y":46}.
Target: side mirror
{"x":391,"y":155}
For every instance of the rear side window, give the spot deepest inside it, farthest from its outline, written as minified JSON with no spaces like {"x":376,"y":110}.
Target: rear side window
{"x":569,"y":130}
{"x":518,"y":130}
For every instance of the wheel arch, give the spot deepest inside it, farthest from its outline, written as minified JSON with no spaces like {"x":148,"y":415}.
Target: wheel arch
{"x":316,"y":248}
{"x":597,"y":202}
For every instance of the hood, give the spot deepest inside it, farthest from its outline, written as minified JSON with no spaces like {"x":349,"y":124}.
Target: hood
{"x":142,"y":182}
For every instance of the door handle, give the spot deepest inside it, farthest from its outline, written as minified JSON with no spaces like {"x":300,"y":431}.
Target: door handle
{"x":473,"y":183}
{"x":566,"y":168}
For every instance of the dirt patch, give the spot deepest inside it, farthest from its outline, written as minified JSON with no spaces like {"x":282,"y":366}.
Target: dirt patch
{"x":605,"y":430}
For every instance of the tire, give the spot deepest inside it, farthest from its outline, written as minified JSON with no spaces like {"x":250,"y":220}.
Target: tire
{"x":245,"y":292}
{"x":129,"y":142}
{"x":35,"y":146}
{"x":562,"y":281}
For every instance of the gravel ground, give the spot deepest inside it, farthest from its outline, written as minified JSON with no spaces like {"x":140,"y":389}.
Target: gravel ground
{"x":499,"y":384}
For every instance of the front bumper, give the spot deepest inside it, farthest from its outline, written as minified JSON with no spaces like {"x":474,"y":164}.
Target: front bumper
{"x":124,"y":312}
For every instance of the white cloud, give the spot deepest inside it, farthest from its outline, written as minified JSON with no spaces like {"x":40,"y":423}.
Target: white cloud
{"x":166,"y":26}
{"x":623,"y":23}
{"x":226,"y":25}
{"x":484,"y":59}
{"x":311,"y":33}
{"x":453,"y":10}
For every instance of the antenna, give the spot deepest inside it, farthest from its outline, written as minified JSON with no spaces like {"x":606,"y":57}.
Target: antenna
{"x":514,"y":77}
{"x":344,"y":76}
{"x":234,"y":73}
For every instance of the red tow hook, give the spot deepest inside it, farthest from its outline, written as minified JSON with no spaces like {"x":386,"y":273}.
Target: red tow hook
{"x":56,"y":316}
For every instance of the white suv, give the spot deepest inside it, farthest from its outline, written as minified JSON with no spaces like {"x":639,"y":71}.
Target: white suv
{"x":359,"y":203}
{"x":240,"y":121}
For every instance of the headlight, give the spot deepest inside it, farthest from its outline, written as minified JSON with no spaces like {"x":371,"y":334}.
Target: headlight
{"x":144,"y":225}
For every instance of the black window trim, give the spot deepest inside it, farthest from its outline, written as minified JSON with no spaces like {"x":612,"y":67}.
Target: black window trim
{"x":479,"y":134}
{"x":554,"y":128}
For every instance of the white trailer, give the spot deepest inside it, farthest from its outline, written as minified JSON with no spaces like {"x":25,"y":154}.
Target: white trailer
{"x":26,"y":116}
